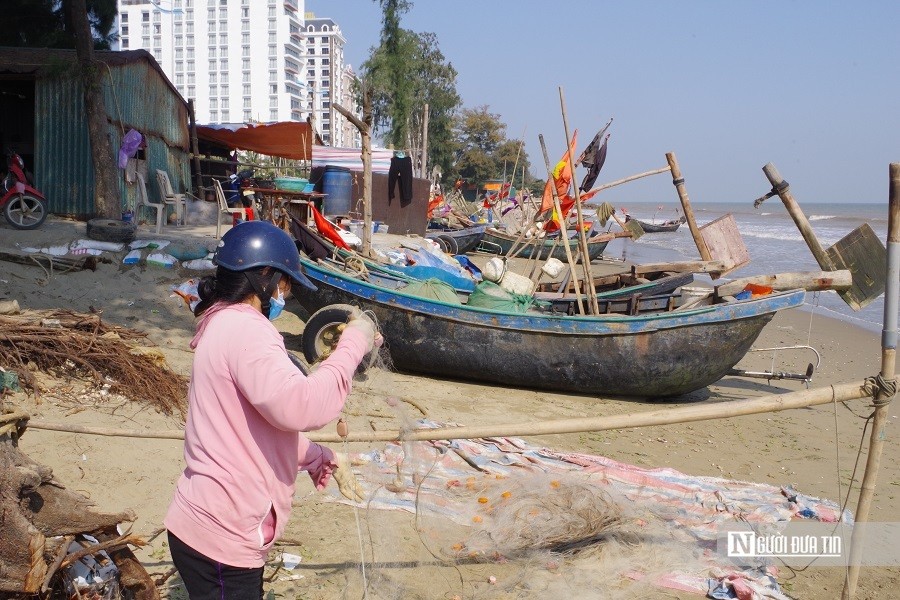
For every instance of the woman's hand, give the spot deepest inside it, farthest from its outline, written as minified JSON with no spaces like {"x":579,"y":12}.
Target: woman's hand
{"x":346,"y":479}
{"x":362,"y":323}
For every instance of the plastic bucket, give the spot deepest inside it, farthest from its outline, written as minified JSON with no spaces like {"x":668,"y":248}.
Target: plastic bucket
{"x":337,"y":185}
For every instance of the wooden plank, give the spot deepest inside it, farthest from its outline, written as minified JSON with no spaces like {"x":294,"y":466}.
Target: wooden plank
{"x":815,"y":281}
{"x":724,"y":242}
{"x":695,"y":266}
{"x":864,"y":255}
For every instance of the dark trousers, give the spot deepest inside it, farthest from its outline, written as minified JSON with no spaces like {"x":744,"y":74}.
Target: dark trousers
{"x":206,"y":579}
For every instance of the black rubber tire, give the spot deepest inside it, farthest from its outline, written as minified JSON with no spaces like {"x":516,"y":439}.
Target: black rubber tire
{"x":37,"y":207}
{"x":110,"y":230}
{"x":442,"y":243}
{"x":452,"y":246}
{"x":319,"y":331}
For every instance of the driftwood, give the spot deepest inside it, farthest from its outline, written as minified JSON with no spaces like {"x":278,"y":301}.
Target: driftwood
{"x":811,"y":282}
{"x":72,"y":344}
{"x":60,"y":264}
{"x":36,"y":508}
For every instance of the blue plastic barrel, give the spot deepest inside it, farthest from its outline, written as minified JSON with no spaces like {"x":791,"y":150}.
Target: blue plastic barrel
{"x":337,"y":184}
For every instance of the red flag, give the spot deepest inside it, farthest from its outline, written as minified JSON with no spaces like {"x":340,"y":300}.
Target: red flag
{"x":566,"y":204}
{"x":562,"y":177}
{"x":327,"y":230}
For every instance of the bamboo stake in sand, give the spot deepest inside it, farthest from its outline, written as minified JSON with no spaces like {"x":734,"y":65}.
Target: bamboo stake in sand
{"x":562,"y":228}
{"x":882,"y":399}
{"x":667,"y":416}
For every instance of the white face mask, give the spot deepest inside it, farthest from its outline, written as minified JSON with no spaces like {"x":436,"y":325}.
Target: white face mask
{"x":276,"y":305}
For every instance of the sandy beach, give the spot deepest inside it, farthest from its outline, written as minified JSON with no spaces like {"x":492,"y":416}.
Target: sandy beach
{"x":814,"y":450}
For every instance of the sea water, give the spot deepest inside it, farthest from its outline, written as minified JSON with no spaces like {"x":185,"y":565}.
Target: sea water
{"x":772,"y":239}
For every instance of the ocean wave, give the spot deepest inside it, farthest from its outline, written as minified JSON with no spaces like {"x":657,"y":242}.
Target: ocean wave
{"x":822,"y":217}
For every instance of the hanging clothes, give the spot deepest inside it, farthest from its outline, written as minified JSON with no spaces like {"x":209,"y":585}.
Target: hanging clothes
{"x":401,"y":169}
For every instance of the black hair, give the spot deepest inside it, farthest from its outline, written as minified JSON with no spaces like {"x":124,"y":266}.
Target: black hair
{"x":230,"y":287}
{"x":233,"y":287}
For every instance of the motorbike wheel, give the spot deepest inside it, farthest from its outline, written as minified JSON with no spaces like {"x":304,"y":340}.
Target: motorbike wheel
{"x":24,"y":211}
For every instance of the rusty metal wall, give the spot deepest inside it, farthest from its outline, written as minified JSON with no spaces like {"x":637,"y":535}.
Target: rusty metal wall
{"x":137,"y":97}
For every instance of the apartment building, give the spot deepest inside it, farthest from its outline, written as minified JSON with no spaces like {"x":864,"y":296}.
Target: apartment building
{"x":329,"y":80}
{"x":239,"y":60}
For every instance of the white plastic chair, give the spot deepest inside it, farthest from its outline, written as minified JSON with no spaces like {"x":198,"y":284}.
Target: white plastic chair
{"x":144,"y":200}
{"x":168,"y":195}
{"x":224,"y":209}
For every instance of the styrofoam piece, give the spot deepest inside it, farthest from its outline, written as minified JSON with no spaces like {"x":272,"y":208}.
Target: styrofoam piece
{"x":553,"y":267}
{"x":517,"y":284}
{"x":494,"y":270}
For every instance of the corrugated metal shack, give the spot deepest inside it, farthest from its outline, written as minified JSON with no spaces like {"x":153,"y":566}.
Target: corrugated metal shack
{"x":42,"y":116}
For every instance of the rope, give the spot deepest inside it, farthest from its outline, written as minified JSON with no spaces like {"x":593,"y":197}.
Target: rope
{"x":882,"y":390}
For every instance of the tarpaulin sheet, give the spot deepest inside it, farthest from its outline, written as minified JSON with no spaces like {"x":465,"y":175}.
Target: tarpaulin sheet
{"x":351,"y":158}
{"x":288,"y":139}
{"x":693,"y":507}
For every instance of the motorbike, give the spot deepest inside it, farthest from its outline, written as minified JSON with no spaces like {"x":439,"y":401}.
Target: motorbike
{"x":23,"y":206}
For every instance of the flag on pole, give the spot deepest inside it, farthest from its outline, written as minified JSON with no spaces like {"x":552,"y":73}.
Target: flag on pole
{"x":562,"y":177}
{"x":327,"y":230}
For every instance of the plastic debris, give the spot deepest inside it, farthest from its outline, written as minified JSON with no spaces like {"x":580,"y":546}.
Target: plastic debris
{"x":160,"y":259}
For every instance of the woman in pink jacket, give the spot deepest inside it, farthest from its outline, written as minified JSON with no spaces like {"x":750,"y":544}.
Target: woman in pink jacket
{"x":248,"y":404}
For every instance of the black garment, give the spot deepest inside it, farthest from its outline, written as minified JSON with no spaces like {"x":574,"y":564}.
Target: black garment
{"x":206,"y":579}
{"x":400,"y":168}
{"x":594,"y":164}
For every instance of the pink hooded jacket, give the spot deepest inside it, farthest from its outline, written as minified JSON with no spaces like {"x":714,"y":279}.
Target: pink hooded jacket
{"x":242,"y":446}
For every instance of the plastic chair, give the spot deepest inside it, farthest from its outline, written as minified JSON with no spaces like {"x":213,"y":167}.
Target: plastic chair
{"x":224,"y":209}
{"x":144,"y":200}
{"x":168,"y":195}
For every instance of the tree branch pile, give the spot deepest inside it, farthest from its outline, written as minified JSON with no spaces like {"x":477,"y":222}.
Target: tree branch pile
{"x":68,"y":344}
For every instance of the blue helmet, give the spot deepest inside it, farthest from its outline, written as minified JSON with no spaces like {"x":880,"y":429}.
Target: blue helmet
{"x":255,"y":244}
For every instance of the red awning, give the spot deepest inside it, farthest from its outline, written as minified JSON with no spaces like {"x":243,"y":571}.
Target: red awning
{"x":289,"y":139}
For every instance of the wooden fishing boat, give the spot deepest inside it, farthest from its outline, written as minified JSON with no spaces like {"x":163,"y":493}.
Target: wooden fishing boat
{"x":664,"y":227}
{"x":501,"y":243}
{"x":457,"y":241}
{"x":658,"y":354}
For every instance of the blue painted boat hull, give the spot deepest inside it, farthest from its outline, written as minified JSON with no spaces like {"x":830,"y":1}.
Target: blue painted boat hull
{"x":657,"y":355}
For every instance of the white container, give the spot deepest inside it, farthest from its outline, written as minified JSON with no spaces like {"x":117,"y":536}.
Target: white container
{"x":517,"y":284}
{"x":553,"y":267}
{"x":494,"y":270}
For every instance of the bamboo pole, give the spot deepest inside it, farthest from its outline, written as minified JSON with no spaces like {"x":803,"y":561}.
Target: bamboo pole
{"x":423,"y":160}
{"x":678,"y":181}
{"x":582,"y":236}
{"x":882,"y":399}
{"x":562,"y":227}
{"x":606,"y":186}
{"x":365,"y":131}
{"x":844,"y":392}
{"x":195,"y":151}
{"x":781,"y":187}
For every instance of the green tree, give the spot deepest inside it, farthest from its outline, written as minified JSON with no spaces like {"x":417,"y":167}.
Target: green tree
{"x":45,"y":23}
{"x":431,"y":81}
{"x":479,"y":134}
{"x":388,"y":74}
{"x":484,"y":152}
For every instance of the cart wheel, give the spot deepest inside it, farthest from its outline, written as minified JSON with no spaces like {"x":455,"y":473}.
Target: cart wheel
{"x":321,"y":334}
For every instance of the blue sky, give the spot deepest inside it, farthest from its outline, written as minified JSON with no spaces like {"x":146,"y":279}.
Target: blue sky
{"x":812,"y":87}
